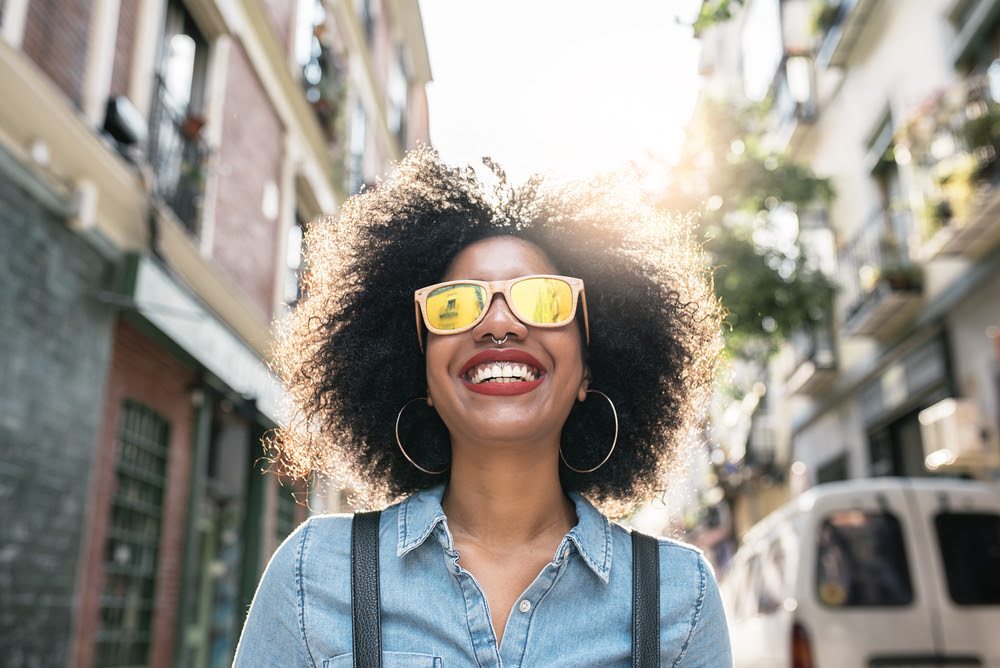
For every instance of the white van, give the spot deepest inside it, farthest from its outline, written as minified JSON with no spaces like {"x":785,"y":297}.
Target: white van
{"x":901,"y":572}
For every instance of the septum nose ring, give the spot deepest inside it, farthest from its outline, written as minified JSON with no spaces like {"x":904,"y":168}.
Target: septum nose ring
{"x":501,"y":341}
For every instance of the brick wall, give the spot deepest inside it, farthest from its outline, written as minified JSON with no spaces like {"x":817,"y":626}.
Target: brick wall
{"x":143,"y":371}
{"x":249,"y":156}
{"x":53,"y":360}
{"x":55,"y":37}
{"x":128,"y":16}
{"x":382,"y":48}
{"x":282,"y":17}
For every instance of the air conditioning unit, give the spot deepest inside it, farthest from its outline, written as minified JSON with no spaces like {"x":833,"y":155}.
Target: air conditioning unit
{"x":954,"y":436}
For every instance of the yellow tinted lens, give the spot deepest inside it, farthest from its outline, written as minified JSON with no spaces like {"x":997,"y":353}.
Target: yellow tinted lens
{"x":543,"y":300}
{"x":455,"y":306}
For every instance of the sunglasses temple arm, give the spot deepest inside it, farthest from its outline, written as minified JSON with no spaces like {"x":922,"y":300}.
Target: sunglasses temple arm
{"x":420,"y":334}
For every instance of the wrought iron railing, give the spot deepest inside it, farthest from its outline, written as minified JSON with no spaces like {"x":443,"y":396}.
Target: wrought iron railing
{"x":178,"y":156}
{"x":952,"y":143}
{"x":816,"y":345}
{"x":878,"y":258}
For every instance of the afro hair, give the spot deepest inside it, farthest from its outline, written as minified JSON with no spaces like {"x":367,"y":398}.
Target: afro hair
{"x":350,"y":358}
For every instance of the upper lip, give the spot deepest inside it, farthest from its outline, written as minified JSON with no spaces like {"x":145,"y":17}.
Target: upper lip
{"x":505,"y":355}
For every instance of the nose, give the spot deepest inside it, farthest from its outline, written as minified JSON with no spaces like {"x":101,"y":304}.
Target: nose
{"x":499,"y":322}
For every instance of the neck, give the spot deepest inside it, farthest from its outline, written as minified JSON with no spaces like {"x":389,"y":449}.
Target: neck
{"x":506,"y":499}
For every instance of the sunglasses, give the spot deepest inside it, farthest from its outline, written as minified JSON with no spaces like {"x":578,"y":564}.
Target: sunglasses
{"x":539,"y":300}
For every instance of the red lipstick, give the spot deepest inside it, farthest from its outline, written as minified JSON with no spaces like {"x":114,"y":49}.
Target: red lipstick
{"x":502,"y":355}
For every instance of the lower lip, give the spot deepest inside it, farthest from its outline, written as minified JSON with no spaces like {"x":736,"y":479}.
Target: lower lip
{"x":504,"y":389}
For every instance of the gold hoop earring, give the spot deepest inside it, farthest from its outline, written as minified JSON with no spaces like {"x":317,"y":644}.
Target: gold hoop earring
{"x":400,"y":444}
{"x":614,"y":441}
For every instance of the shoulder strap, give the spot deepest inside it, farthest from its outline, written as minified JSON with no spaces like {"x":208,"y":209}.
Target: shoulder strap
{"x":366,"y":623}
{"x":645,"y":601}
{"x":366,"y":620}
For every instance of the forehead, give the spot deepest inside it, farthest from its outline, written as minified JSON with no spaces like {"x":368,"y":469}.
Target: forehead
{"x":499,"y":258}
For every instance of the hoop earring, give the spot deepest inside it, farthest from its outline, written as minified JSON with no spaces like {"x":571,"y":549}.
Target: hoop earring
{"x":400,"y":444}
{"x":614,"y":441}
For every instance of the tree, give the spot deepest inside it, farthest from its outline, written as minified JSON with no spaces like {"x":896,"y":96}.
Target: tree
{"x":751,"y":199}
{"x":714,"y":11}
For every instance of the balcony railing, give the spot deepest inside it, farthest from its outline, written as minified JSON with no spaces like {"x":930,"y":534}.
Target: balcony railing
{"x":881,"y":283}
{"x":763,"y":459}
{"x":815,"y":362}
{"x":179,"y":158}
{"x":845,"y":21}
{"x":953,"y":145}
{"x":324,"y":82}
{"x":794,"y":94}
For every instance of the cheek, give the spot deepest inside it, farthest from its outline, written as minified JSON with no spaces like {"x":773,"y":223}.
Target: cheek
{"x":436,"y":362}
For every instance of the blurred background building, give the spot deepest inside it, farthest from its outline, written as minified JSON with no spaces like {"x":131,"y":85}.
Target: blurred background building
{"x":896,"y":103}
{"x":158,"y":162}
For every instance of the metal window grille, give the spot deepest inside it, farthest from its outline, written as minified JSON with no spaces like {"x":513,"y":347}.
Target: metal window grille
{"x":133,"y":543}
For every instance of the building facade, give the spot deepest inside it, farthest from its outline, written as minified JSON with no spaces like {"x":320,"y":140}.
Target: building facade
{"x":897,"y":104}
{"x":159,"y":160}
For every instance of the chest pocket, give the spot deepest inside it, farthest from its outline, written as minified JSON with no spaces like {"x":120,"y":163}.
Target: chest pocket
{"x":390,"y":660}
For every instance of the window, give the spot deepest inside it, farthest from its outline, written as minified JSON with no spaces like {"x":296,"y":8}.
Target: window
{"x":397,"y":93}
{"x":970,"y":549}
{"x":294,"y":262}
{"x":177,"y":152}
{"x":133,"y":543}
{"x":761,"y":47}
{"x":881,"y":158}
{"x":774,"y":574}
{"x":363,"y":8}
{"x":861,"y":561}
{"x":356,"y":158}
{"x":323,"y":78}
{"x":286,"y":513}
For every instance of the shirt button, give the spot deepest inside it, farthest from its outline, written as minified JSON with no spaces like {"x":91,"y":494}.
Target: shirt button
{"x":524,"y":605}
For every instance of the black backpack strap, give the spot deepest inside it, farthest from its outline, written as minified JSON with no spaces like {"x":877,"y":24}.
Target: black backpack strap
{"x":645,"y":601}
{"x":366,"y":618}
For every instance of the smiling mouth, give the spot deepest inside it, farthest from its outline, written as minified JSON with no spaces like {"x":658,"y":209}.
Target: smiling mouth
{"x":502,"y":372}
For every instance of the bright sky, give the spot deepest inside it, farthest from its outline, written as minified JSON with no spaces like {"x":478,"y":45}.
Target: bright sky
{"x":568,"y":86}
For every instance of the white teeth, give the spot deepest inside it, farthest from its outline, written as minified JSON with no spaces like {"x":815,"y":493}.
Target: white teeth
{"x":503,"y":373}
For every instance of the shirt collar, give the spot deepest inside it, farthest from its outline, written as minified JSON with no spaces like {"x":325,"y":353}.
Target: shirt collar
{"x":421,"y":513}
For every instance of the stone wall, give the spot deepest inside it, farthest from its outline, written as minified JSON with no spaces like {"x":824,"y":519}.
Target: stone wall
{"x":54,"y":349}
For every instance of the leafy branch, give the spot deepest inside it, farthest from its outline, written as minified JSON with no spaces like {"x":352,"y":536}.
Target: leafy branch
{"x":751,"y":201}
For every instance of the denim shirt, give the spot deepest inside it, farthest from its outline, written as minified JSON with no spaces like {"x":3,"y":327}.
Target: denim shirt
{"x":577,"y":612}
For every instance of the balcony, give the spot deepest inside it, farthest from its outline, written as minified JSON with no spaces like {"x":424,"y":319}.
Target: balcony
{"x":794,"y":95}
{"x":179,"y":158}
{"x":882,"y":285}
{"x":763,"y":460}
{"x":844,"y":25}
{"x":815,"y":364}
{"x":953,"y":142}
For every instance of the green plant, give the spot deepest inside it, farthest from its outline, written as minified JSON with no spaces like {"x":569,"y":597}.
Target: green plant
{"x":825,"y":15}
{"x":741,"y":189}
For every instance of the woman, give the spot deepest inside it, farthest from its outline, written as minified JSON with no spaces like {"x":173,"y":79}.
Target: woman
{"x":564,"y":344}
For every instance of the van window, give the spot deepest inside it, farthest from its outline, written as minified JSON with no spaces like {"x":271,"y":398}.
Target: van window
{"x":773,"y":573}
{"x":861,"y":561}
{"x":738,"y":587}
{"x":970,"y":549}
{"x":749,"y":600}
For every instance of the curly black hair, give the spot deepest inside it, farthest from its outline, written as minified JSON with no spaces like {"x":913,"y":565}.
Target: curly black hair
{"x":350,"y":358}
